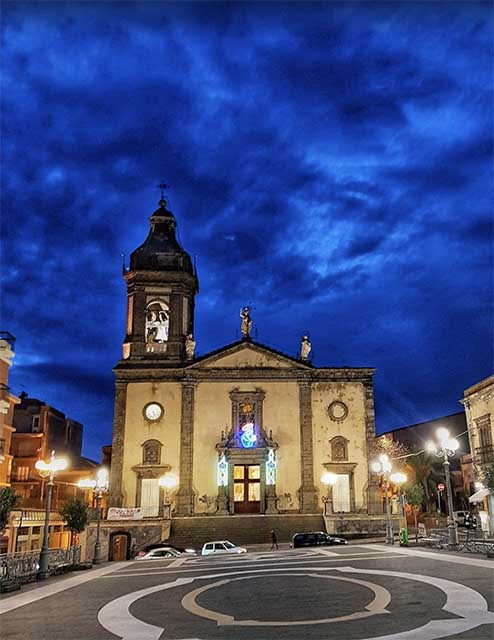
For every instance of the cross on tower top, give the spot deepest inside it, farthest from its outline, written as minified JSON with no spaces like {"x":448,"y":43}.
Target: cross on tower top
{"x":162,"y":186}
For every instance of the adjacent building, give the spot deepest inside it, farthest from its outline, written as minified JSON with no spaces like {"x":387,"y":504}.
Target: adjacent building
{"x":478,"y":401}
{"x":7,"y":403}
{"x":245,"y":429}
{"x":39,"y":430}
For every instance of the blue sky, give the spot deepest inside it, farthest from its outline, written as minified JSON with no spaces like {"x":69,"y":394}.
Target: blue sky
{"x":329,"y":163}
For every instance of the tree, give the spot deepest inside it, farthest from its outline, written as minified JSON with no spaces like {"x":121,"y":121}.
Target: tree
{"x":414,"y":494}
{"x":422,"y":470}
{"x":75,"y":514}
{"x":8,"y":501}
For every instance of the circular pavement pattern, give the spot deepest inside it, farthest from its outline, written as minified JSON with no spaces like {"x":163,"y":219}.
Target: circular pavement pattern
{"x":462,"y":601}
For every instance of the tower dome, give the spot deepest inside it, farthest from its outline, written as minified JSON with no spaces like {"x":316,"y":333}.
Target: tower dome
{"x":161,"y":251}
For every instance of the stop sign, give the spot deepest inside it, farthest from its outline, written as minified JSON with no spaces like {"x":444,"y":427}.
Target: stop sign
{"x":440,"y":487}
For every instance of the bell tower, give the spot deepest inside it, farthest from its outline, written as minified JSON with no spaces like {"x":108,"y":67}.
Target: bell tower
{"x":161,"y":286}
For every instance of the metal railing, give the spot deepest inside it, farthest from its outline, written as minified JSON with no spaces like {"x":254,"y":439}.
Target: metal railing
{"x":23,"y":567}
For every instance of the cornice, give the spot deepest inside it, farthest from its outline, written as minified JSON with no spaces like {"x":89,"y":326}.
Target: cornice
{"x":243,"y":374}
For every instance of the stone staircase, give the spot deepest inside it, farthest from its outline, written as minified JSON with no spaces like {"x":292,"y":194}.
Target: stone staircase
{"x":241,"y":529}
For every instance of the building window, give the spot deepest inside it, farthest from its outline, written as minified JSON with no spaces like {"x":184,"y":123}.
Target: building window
{"x":484,"y":430}
{"x":151,"y":452}
{"x":35,"y":424}
{"x":22,"y":474}
{"x":157,"y":325}
{"x":339,"y":449}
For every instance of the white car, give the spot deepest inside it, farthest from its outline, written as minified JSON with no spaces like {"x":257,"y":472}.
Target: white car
{"x":221,"y":547}
{"x":158,"y":554}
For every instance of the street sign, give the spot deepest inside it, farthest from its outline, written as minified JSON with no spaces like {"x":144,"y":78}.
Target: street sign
{"x":440,"y":487}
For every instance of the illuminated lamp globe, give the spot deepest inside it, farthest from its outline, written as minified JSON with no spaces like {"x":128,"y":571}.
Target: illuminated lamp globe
{"x":168,"y":481}
{"x":442,"y":434}
{"x":398,"y":478}
{"x":329,"y":478}
{"x":376,"y":467}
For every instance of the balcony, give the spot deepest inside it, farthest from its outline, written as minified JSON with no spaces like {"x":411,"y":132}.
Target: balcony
{"x":484,"y":455}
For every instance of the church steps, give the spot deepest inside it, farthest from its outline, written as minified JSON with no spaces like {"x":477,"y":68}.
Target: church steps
{"x":241,"y":529}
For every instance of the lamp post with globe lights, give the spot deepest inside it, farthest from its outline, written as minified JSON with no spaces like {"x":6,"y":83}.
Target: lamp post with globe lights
{"x":329,"y":479}
{"x":399,"y":479}
{"x":167,"y":482}
{"x":445,"y":448}
{"x":48,"y":470}
{"x":382,"y":466}
{"x":99,"y":487}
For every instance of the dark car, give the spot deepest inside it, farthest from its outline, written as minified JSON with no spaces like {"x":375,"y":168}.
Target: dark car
{"x":158,"y":545}
{"x":315,"y":539}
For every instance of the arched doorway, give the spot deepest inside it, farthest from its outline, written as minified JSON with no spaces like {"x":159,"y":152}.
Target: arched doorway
{"x":119,"y":548}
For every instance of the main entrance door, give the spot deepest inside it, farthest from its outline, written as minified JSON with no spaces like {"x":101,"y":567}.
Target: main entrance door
{"x":247,"y":488}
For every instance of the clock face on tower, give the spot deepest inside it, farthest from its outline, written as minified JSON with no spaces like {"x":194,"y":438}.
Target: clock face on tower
{"x":153,"y":411}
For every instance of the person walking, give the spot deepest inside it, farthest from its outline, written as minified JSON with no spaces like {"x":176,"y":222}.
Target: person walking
{"x":274,"y":540}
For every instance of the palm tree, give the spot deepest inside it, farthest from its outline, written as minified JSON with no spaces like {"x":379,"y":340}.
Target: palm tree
{"x":421,"y":467}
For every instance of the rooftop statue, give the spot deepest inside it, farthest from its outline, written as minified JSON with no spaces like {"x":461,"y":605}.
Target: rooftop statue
{"x":246,"y":325}
{"x":305,"y":348}
{"x":190,"y":346}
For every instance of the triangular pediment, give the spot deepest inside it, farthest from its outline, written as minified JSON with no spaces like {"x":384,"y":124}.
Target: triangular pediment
{"x":247,"y":354}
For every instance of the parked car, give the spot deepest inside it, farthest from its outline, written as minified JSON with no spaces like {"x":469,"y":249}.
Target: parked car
{"x":164,"y":543}
{"x":315,"y":539}
{"x":221,"y":547}
{"x":158,"y":554}
{"x":465,"y":519}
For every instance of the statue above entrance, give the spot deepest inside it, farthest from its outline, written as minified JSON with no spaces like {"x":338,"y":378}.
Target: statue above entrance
{"x":246,"y":324}
{"x":305,"y":348}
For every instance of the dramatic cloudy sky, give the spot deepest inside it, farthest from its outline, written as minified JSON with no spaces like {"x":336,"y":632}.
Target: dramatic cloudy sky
{"x":329,"y":163}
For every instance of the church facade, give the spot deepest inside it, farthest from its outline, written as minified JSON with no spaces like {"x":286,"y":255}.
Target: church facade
{"x":244,"y":429}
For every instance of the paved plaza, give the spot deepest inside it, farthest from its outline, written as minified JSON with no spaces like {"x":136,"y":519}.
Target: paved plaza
{"x":359,"y":592}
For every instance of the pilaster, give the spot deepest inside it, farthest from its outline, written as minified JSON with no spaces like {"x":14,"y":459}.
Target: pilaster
{"x":185,"y":493}
{"x":307,"y":491}
{"x":116,"y":496}
{"x":373,"y":490}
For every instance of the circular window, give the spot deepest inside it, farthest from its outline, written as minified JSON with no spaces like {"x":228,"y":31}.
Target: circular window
{"x":337,"y":411}
{"x":153,"y":411}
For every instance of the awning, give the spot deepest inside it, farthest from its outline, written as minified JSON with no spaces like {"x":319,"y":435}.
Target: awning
{"x":479,"y":495}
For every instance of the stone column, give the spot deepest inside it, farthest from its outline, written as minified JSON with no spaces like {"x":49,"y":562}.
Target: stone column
{"x":373,"y":489}
{"x":307,"y":491}
{"x":115,"y":497}
{"x":185,"y":494}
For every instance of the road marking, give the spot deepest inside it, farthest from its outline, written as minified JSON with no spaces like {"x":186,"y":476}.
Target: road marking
{"x":377,"y":606}
{"x":441,"y":556}
{"x":14,"y":602}
{"x":166,"y":571}
{"x":460,"y":600}
{"x":177,"y":562}
{"x":219,"y":564}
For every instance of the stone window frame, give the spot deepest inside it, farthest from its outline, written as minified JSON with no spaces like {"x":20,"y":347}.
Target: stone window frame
{"x":336,"y":441}
{"x":256,"y":398}
{"x":484,"y":430}
{"x":147,"y":446}
{"x":331,"y":414}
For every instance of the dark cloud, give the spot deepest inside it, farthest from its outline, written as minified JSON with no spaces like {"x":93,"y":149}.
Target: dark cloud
{"x":330,"y":163}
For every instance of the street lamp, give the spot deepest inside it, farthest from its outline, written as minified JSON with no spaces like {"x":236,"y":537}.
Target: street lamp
{"x":399,"y":479}
{"x":382,"y":466}
{"x":48,"y":470}
{"x":99,"y":487}
{"x":445,"y":448}
{"x":167,"y":482}
{"x":329,"y":479}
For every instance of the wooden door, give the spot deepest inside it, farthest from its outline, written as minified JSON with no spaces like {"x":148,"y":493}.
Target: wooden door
{"x":119,"y":547}
{"x":247,"y":488}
